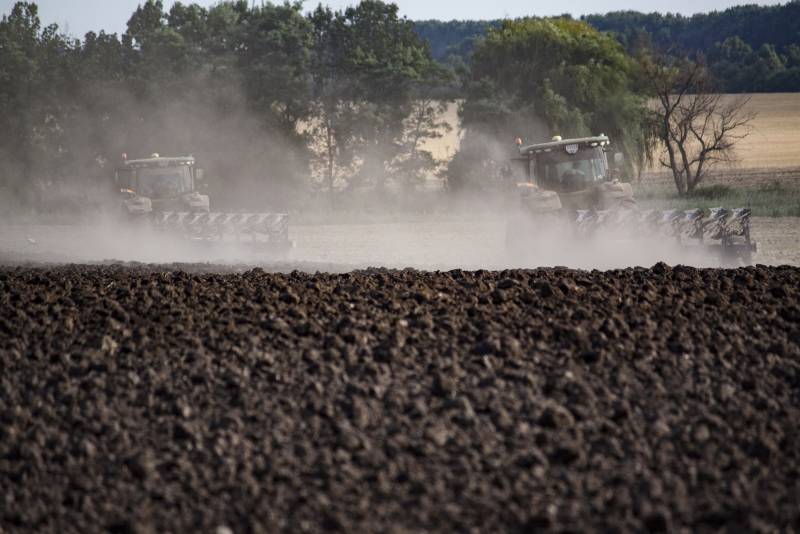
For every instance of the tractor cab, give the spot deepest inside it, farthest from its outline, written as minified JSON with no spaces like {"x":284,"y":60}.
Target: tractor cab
{"x":161,"y":184}
{"x":577,"y":170}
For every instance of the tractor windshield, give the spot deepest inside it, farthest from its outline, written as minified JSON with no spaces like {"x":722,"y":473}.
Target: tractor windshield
{"x":562,"y":171}
{"x":164,"y":182}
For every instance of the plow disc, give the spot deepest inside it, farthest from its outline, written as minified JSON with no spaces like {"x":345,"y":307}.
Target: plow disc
{"x":271,"y":229}
{"x":726,"y":230}
{"x":616,"y":236}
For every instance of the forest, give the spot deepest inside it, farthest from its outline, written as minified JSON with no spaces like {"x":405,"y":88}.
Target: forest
{"x":748,"y":48}
{"x":263,"y":94}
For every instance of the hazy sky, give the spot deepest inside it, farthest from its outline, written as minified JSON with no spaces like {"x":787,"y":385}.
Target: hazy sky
{"x":80,"y":16}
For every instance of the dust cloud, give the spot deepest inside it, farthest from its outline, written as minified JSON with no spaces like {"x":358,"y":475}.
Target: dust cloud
{"x":253,"y":167}
{"x":456,"y":239}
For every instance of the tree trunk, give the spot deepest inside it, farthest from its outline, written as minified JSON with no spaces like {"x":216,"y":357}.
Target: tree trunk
{"x":677,"y":175}
{"x":697,"y":178}
{"x":686,"y":166}
{"x":329,"y":143}
{"x":691,"y":184}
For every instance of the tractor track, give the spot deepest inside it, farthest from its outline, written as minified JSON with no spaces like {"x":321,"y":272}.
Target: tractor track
{"x":157,"y":398}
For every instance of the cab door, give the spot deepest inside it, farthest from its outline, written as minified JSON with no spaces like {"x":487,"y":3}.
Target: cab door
{"x":124,"y":179}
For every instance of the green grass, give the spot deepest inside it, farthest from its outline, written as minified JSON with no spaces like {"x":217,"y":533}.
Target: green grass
{"x":773,"y":200}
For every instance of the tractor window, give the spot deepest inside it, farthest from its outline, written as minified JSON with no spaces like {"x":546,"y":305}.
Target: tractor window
{"x":571,"y":172}
{"x":124,"y":179}
{"x":164,"y":182}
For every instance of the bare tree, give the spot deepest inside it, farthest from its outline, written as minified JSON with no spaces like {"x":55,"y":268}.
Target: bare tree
{"x":697,"y":127}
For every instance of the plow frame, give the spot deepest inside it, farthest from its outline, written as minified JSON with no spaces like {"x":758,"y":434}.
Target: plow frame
{"x":263,"y":230}
{"x":726,"y":231}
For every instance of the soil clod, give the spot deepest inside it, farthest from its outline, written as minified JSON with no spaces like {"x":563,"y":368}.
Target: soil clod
{"x":143,"y":399}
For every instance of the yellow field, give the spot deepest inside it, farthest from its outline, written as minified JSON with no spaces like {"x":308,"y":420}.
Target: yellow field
{"x":775,"y":138}
{"x":774,"y":141}
{"x":447,"y":145}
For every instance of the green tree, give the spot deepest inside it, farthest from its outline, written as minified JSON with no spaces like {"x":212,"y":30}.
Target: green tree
{"x":229,"y":83}
{"x":273,"y":57}
{"x":745,"y":44}
{"x":367,"y":66}
{"x":424,"y":122}
{"x":31,"y":74}
{"x":533,"y":78}
{"x":333,"y":125}
{"x":97,"y":73}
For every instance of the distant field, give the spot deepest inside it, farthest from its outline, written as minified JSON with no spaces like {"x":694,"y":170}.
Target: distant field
{"x":775,"y":139}
{"x":447,"y":145}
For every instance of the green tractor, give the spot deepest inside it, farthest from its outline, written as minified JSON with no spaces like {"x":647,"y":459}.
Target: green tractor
{"x":168,"y":194}
{"x":570,"y":182}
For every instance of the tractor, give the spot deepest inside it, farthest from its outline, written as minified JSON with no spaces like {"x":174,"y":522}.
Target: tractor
{"x":570,"y":182}
{"x":168,"y":194}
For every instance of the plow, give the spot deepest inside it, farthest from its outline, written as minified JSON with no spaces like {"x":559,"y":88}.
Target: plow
{"x":166,"y":195}
{"x":267,"y":228}
{"x":726,"y":231}
{"x":570,"y":181}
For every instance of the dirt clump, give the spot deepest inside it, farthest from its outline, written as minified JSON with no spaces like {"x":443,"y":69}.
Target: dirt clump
{"x":145,"y":399}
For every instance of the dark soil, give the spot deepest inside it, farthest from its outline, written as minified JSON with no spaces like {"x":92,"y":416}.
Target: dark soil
{"x":135,"y":399}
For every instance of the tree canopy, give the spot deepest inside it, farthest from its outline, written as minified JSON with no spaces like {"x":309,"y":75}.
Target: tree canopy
{"x":275,"y":99}
{"x":235,"y":83}
{"x":749,"y":48}
{"x":534,"y":78}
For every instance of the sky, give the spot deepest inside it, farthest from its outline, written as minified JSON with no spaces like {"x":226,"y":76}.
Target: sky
{"x":76,"y":17}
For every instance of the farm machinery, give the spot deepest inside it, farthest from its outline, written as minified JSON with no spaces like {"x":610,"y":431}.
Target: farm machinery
{"x":570,"y":181}
{"x":167,"y":194}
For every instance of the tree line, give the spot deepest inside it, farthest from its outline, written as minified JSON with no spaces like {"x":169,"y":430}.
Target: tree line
{"x":747,"y":48}
{"x":263,"y":94}
{"x":453,"y":41}
{"x":277,"y":102}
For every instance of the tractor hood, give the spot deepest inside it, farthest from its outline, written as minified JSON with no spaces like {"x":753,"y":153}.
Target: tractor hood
{"x":538,"y":199}
{"x":194,"y":201}
{"x":134,"y":204}
{"x":606,"y":195}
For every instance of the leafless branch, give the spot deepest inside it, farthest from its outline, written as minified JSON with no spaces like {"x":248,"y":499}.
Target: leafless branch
{"x":697,"y":127}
